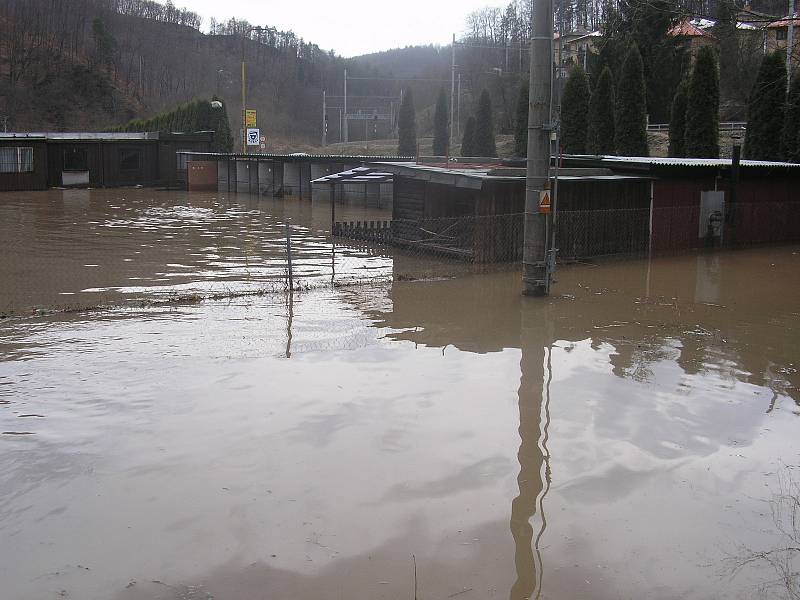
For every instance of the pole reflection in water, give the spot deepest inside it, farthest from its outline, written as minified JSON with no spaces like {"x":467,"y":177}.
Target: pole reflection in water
{"x":534,"y":460}
{"x":289,"y":319}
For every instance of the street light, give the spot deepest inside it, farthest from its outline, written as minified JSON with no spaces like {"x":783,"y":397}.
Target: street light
{"x":245,"y":37}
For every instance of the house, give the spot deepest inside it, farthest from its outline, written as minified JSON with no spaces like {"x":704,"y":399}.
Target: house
{"x":573,"y":48}
{"x":778,"y":36}
{"x":696,"y":33}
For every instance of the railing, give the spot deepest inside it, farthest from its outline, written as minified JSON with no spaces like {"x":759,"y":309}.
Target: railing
{"x":726,"y":126}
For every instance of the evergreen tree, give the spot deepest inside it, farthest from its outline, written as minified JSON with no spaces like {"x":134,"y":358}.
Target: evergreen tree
{"x":677,"y":122}
{"x":484,"y":127}
{"x":600,"y":138}
{"x":630,"y":118}
{"x":575,"y":112}
{"x":702,"y":107}
{"x":521,"y":122}
{"x":219,"y":123}
{"x":468,"y":141}
{"x":765,"y":113}
{"x":791,"y":125}
{"x":441,"y":129}
{"x":407,"y":126}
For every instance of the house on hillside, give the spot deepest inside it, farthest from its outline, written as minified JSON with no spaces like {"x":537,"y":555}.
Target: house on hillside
{"x":697,"y":33}
{"x":573,"y":48}
{"x":777,"y":37}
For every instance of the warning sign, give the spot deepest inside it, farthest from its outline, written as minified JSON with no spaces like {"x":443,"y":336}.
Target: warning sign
{"x":250,"y":119}
{"x":544,"y":202}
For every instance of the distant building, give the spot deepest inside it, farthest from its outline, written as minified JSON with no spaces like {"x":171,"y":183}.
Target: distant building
{"x":778,"y":36}
{"x":695,"y":32}
{"x":573,"y":48}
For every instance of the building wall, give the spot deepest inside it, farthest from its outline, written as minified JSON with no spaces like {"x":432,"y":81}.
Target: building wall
{"x":34,"y":180}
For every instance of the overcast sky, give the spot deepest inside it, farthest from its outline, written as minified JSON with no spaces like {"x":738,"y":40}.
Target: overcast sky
{"x":350,"y":28}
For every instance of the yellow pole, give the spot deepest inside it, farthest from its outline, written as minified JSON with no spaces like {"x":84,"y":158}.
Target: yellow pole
{"x":244,"y":103}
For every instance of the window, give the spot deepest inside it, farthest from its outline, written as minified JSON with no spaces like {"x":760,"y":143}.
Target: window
{"x":781,"y":34}
{"x":76,"y":159}
{"x":16,"y":159}
{"x":130,"y":160}
{"x":183,"y":160}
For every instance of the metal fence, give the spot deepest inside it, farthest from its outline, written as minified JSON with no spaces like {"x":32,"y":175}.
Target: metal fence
{"x":239,"y":256}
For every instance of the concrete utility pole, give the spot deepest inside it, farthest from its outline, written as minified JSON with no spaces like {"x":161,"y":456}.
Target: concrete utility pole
{"x":790,"y":40}
{"x":536,"y":270}
{"x":324,"y":120}
{"x":345,"y":107}
{"x":452,"y":93}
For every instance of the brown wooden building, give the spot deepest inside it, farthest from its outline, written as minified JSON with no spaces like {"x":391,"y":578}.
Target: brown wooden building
{"x":39,"y":161}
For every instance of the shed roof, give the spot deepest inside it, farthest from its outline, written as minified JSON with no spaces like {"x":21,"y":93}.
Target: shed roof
{"x":299,"y":157}
{"x":612,"y":161}
{"x":475,"y":175}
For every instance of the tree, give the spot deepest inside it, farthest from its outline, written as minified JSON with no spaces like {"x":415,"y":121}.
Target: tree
{"x":521,"y":122}
{"x":223,"y":139}
{"x":765,"y":112}
{"x":484,"y":127}
{"x":791,"y":125}
{"x":677,"y":122}
{"x":468,"y":141}
{"x":574,"y":112}
{"x":702,"y":109}
{"x":630,"y":118}
{"x":407,"y":126}
{"x":600,"y":138}
{"x":441,"y":130}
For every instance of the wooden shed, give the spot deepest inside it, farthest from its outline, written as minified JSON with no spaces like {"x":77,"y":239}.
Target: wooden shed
{"x":23,"y":162}
{"x":476,"y":210}
{"x":697,"y":201}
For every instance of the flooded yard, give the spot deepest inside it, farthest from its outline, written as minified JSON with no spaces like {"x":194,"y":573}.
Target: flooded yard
{"x":627,"y":437}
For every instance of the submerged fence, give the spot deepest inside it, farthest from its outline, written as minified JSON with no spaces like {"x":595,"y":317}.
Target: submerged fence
{"x":187,"y":253}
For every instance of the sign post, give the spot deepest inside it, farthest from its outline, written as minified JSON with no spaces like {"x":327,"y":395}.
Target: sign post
{"x":250,"y":119}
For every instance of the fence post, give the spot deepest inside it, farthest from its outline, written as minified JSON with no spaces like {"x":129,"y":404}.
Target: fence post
{"x":289,"y":254}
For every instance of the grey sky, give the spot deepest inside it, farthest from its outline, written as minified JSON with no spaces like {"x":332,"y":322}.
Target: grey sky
{"x":351,"y":28}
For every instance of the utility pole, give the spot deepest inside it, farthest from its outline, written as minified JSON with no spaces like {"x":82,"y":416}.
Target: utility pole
{"x":458,"y":110}
{"x":535,"y":258}
{"x":345,"y":107}
{"x":790,"y":41}
{"x":452,"y":93}
{"x":245,"y":37}
{"x":324,"y":121}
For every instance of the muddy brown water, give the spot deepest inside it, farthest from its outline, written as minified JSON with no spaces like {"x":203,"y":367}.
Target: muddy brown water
{"x":620,"y":439}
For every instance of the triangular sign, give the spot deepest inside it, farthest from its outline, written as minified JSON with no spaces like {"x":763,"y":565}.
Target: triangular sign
{"x":544,"y":202}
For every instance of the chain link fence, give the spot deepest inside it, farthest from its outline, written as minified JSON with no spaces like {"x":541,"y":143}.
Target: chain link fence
{"x":128,"y":253}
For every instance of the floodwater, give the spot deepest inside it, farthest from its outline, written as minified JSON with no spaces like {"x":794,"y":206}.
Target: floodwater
{"x":620,"y":439}
{"x":82,"y":248}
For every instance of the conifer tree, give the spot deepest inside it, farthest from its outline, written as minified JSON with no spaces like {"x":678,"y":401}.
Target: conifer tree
{"x":765,"y":112}
{"x":484,"y":127}
{"x":601,"y":115}
{"x":468,"y":141}
{"x":630,"y":117}
{"x":791,"y":125}
{"x":407,"y":126}
{"x":521,"y":122}
{"x":702,"y":107}
{"x":441,"y":130}
{"x":574,"y":112}
{"x":677,"y":122}
{"x":223,"y":138}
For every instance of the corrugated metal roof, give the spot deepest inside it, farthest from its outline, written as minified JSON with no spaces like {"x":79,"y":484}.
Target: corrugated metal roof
{"x":300,"y":156}
{"x":682,"y":162}
{"x":83,"y":135}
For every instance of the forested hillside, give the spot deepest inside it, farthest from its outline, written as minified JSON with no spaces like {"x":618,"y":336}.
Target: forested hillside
{"x":97,"y":64}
